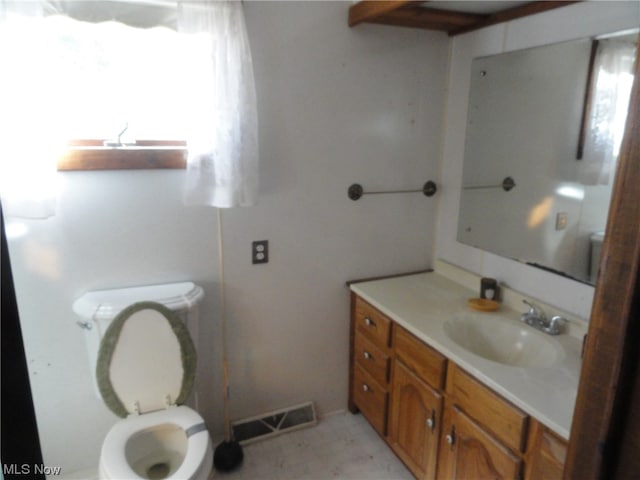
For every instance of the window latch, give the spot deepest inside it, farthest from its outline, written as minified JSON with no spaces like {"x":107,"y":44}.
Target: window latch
{"x":118,"y":141}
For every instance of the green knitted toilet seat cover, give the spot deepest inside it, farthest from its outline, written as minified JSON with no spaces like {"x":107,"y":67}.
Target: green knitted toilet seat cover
{"x":146,"y":360}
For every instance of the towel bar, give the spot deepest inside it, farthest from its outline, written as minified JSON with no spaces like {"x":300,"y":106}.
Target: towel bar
{"x":356,"y":191}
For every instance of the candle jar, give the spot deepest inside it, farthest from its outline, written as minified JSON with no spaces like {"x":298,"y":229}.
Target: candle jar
{"x":489,"y":288}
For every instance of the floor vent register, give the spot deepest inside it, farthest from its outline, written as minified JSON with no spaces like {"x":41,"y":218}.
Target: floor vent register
{"x":274,"y":423}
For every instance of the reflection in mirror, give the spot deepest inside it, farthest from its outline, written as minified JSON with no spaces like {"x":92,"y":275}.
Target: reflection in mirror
{"x":549,"y":121}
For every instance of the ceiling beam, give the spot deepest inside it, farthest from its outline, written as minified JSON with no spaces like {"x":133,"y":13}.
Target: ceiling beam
{"x":525,"y":10}
{"x":369,"y":10}
{"x":417,"y":14}
{"x":429,"y":18}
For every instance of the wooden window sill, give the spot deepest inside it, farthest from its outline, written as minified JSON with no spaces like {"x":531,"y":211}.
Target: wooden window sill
{"x":92,"y":155}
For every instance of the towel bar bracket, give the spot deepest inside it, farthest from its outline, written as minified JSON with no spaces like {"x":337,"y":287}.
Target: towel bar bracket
{"x":355,"y":191}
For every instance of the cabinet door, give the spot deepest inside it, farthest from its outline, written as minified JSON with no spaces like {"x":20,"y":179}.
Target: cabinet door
{"x":415,"y":422}
{"x":548,"y":454}
{"x":468,"y":452}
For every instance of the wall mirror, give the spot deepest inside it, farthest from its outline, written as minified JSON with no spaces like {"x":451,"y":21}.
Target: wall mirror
{"x":544,"y":128}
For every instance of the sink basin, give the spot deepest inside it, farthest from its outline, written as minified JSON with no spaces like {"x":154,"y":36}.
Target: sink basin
{"x":502,"y":341}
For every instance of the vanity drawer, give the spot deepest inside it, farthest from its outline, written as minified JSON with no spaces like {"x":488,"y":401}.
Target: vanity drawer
{"x":370,"y":398}
{"x":372,"y":323}
{"x":372,"y":359}
{"x":507,"y":422}
{"x":423,"y":360}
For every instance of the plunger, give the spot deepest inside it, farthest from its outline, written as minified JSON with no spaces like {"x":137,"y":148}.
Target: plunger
{"x":228,"y":454}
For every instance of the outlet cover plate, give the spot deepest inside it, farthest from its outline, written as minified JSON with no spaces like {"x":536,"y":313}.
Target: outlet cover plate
{"x":260,"y":251}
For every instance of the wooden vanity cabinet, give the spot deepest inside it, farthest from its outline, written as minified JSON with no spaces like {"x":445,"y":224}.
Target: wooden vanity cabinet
{"x":438,"y":419}
{"x":416,"y":403}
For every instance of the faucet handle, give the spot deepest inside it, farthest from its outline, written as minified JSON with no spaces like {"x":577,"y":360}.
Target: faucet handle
{"x":555,"y":325}
{"x":534,"y":310}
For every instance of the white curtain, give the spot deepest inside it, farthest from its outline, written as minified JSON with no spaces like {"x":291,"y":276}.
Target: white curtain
{"x":612,"y":80}
{"x":222,"y":166}
{"x":59,"y":83}
{"x":28,"y":180}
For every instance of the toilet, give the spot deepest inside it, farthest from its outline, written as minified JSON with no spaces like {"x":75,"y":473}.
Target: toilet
{"x":145,"y":362}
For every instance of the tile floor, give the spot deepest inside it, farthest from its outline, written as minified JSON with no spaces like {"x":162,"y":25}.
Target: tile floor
{"x":340,"y":446}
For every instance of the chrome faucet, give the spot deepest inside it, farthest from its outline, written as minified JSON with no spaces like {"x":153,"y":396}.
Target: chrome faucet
{"x":538,"y":319}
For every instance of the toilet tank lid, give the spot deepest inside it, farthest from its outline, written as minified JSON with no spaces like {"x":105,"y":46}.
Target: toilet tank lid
{"x":106,"y":304}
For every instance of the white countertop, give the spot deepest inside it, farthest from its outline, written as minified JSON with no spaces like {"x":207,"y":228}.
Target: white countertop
{"x":422,"y":303}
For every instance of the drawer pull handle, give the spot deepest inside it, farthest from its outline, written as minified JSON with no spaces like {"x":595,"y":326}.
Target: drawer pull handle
{"x":369,"y":322}
{"x":451,"y":438}
{"x":365,"y":387}
{"x":368,"y":356}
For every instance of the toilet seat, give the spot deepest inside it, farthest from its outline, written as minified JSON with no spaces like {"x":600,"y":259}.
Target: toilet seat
{"x":113,"y":460}
{"x":146,"y":361}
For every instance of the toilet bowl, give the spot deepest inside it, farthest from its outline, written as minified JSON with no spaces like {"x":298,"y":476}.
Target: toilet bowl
{"x":171,"y":443}
{"x":145,"y":370}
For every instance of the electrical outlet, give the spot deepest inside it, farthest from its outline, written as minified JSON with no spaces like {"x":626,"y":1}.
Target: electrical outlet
{"x":260,"y":251}
{"x":561,"y":221}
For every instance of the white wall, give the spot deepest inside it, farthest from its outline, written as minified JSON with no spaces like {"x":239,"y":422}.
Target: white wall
{"x":336,"y":106}
{"x":567,"y":23}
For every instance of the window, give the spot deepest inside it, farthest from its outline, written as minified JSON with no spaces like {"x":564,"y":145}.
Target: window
{"x":81,"y":89}
{"x":606,"y":105}
{"x":102,"y":95}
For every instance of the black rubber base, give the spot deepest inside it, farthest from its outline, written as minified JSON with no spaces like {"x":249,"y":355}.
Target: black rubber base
{"x":227,"y":456}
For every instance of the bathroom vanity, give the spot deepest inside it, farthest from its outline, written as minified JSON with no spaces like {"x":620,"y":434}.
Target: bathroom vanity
{"x":458,"y":393}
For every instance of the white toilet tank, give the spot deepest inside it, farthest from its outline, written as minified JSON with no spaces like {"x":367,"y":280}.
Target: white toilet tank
{"x":98,"y":308}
